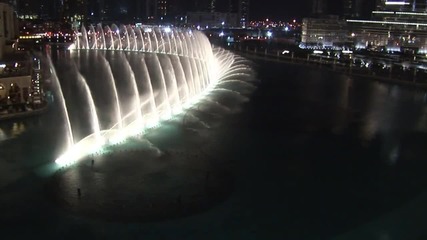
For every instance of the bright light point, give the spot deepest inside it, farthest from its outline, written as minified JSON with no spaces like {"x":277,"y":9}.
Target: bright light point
{"x":167,"y":29}
{"x":221,"y":34}
{"x":269,"y":34}
{"x":286,"y":29}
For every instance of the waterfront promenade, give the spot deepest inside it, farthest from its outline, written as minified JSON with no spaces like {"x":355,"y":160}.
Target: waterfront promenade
{"x":413,"y":77}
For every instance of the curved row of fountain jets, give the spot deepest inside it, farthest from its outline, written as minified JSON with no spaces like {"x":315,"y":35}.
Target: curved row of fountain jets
{"x":164,"y":40}
{"x":192,"y":68}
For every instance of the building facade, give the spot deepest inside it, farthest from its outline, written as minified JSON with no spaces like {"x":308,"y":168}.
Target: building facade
{"x":212,"y":19}
{"x":324,"y":32}
{"x":8,"y":28}
{"x":75,"y":11}
{"x":394,"y":26}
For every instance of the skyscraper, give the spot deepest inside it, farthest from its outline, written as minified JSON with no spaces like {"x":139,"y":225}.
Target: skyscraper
{"x":75,"y":10}
{"x":352,"y":8}
{"x":157,"y":9}
{"x":244,"y":10}
{"x":319,"y":7}
{"x":212,"y":4}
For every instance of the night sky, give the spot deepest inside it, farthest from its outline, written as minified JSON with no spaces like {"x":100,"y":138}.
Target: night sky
{"x":259,"y":9}
{"x":280,"y":9}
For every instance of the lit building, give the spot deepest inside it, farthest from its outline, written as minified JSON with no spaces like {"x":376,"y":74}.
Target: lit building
{"x":244,"y":10}
{"x":9,"y":30}
{"x":19,"y":78}
{"x":401,"y":5}
{"x":395,"y":26}
{"x":162,"y":8}
{"x":28,"y":9}
{"x":157,"y":9}
{"x":324,"y":32}
{"x":212,"y":19}
{"x":75,"y":11}
{"x":20,"y":82}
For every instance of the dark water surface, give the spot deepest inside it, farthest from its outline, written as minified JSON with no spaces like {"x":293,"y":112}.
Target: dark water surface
{"x":317,"y":155}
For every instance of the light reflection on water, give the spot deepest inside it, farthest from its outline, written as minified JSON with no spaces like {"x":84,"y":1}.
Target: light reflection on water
{"x":12,"y":130}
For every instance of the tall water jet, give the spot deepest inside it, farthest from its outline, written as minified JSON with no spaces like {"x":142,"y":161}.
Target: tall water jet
{"x":94,"y":38}
{"x":154,"y":118}
{"x":136,"y":99}
{"x":69,"y":132}
{"x":85,"y":38}
{"x":118,"y":111}
{"x":100,"y":31}
{"x":116,"y":37}
{"x":96,"y":130}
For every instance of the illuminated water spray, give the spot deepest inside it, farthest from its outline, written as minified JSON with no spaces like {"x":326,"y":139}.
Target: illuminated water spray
{"x":185,"y":66}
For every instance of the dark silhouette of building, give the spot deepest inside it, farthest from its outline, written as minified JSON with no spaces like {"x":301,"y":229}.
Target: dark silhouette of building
{"x":75,"y":11}
{"x":244,"y":12}
{"x":352,"y":8}
{"x":319,"y":7}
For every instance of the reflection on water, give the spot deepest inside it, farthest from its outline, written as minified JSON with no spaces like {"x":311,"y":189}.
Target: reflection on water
{"x":11,"y":130}
{"x":2,"y":135}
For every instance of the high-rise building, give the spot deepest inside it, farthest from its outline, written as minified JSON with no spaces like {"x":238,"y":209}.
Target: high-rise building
{"x":212,"y":4}
{"x":397,"y":25}
{"x":9,"y":26}
{"x":402,"y":5}
{"x":162,"y":9}
{"x":157,"y":9}
{"x":244,"y":12}
{"x":75,"y":11}
{"x":319,"y":7}
{"x":352,"y":8}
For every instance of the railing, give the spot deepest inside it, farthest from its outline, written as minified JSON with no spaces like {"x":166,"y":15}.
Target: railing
{"x":394,"y":73}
